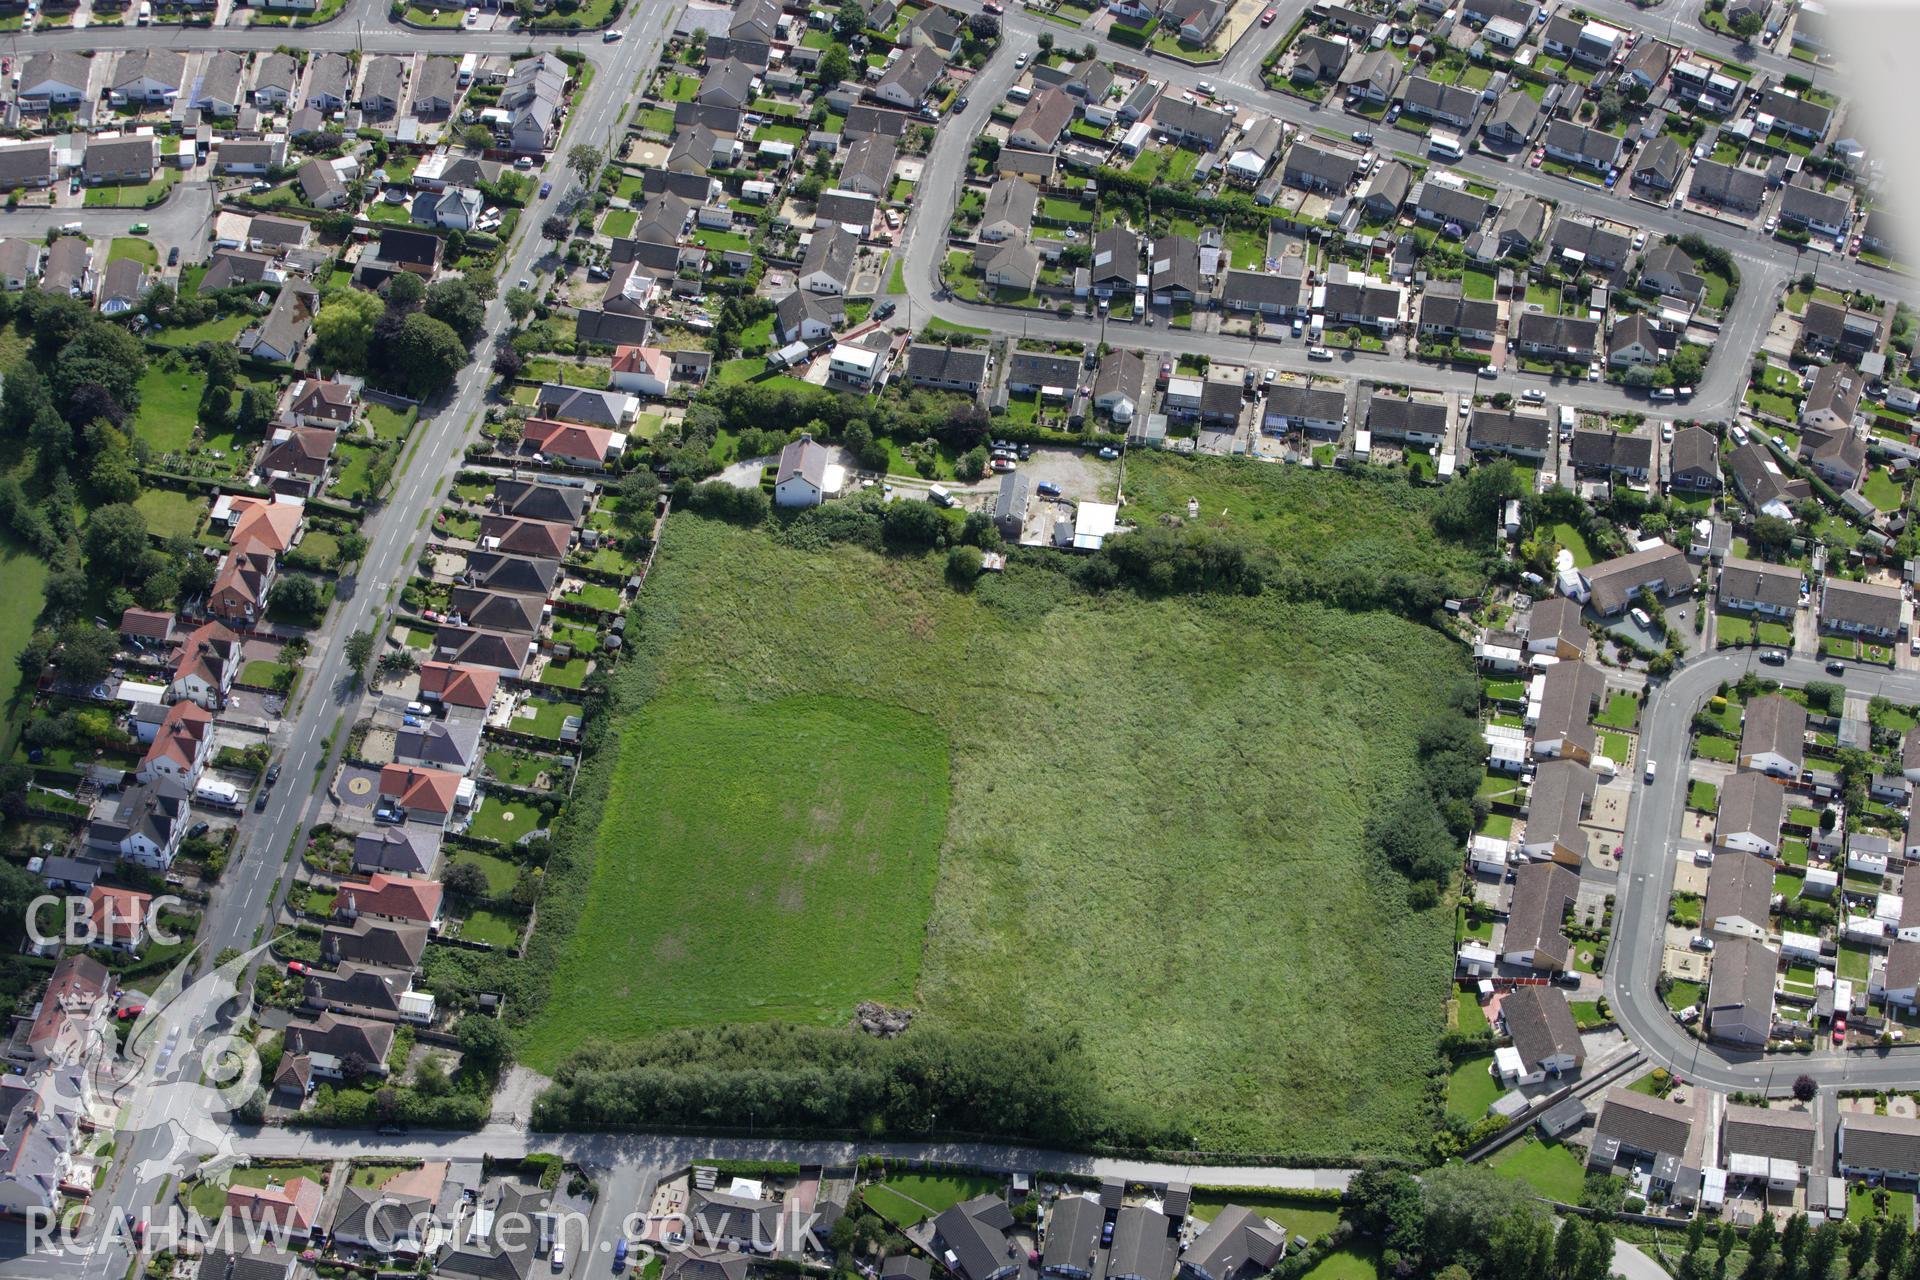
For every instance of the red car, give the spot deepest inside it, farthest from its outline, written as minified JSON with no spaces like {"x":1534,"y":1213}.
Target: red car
{"x":994,"y":6}
{"x":1538,"y":156}
{"x":1266,"y":19}
{"x":130,"y":1011}
{"x":296,"y":966}
{"x":1839,"y":1030}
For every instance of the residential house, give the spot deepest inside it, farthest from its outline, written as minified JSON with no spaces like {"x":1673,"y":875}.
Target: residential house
{"x":1426,"y":99}
{"x":1117,"y":385}
{"x":285,"y":1209}
{"x":1669,"y":271}
{"x":1815,"y":211}
{"x":1634,"y":341}
{"x":340,"y":1048}
{"x":1543,"y":1032}
{"x":1774,"y":731}
{"x":1861,"y":609}
{"x":1588,"y":245}
{"x":1403,"y":420}
{"x":910,"y":77}
{"x":328,"y":82}
{"x":571,"y":442}
{"x":1647,"y":64}
{"x":1561,"y":339}
{"x":807,"y":317}
{"x":282,"y":335}
{"x":1512,"y":123}
{"x":1446,"y":312}
{"x":122,"y":286}
{"x":868,"y":168}
{"x":180,"y":746}
{"x":454,"y":208}
{"x":1660,"y":165}
{"x":1249,"y":158}
{"x":147,"y":77}
{"x":1847,"y":333}
{"x":827,"y":266}
{"x":217,"y":92}
{"x":1521,"y":228}
{"x":1350,"y":299}
{"x":1831,"y":407}
{"x":1387,"y":189}
{"x":1038,"y":372}
{"x":142,"y":824}
{"x":1588,"y":148}
{"x":382,"y":896}
{"x":646,"y":371}
{"x":591,"y":405}
{"x":1560,"y":799}
{"x":974,"y":1238}
{"x":68,"y":267}
{"x":19,"y":263}
{"x":382,"y":85}
{"x":320,"y":184}
{"x":1008,"y":212}
{"x":1752,"y":808}
{"x":1011,"y":264}
{"x":408,"y":850}
{"x":1740,"y":992}
{"x":295,"y":459}
{"x":1175,"y":276}
{"x":71,"y":1015}
{"x":1191,"y":124}
{"x":947,"y":368}
{"x":209,"y":659}
{"x":1042,"y":121}
{"x":1514,"y":435}
{"x":424,"y":795}
{"x":51,"y":78}
{"x":1740,"y":889}
{"x":1878,"y":1146}
{"x":1292,"y":406}
{"x":275,"y":78}
{"x":1373,"y":77}
{"x":1668,"y":1137}
{"x":1728,"y":187}
{"x":1792,"y":114}
{"x":800,"y":479}
{"x":1610,"y":452}
{"x":1275,"y":295}
{"x":1614,"y":583}
{"x":251,"y":157}
{"x":1239,"y":1244}
{"x":1319,"y":58}
{"x":1772,"y":1134}
{"x":1562,"y":714}
{"x":125,"y":161}
{"x":1535,"y":935}
{"x":1555,"y":627}
{"x":28,"y":165}
{"x":1312,"y":167}
{"x":1752,"y":586}
{"x":1457,"y":211}
{"x":1761,"y":484}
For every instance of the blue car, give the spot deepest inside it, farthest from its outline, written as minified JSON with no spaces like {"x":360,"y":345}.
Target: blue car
{"x":546,"y":189}
{"x":620,"y":1255}
{"x":1048,"y":489}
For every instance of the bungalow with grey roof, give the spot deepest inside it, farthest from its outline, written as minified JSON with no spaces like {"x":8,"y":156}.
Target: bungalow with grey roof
{"x":1861,"y":609}
{"x":1662,"y":569}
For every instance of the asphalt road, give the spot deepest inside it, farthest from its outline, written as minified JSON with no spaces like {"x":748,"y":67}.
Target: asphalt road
{"x":1646,"y":880}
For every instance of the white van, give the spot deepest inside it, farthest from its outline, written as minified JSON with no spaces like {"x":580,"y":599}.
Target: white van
{"x":1650,"y":770}
{"x":146,"y":12}
{"x":939,"y":496}
{"x":1019,"y":93}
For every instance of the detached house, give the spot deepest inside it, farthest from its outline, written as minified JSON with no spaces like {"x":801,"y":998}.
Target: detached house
{"x":1752,"y":807}
{"x":1774,"y":732}
{"x":1740,"y":995}
{"x":1544,"y":1033}
{"x":1559,"y":801}
{"x":1752,"y":586}
{"x":1536,"y":935}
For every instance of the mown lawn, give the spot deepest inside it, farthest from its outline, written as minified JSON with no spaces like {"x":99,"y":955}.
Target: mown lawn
{"x":503,"y":819}
{"x":500,"y":873}
{"x":1550,"y":1169}
{"x":834,"y":813}
{"x":908,"y":1198}
{"x":169,"y":404}
{"x":1471,"y":1089}
{"x":170,"y":512}
{"x":23,"y":578}
{"x":1301,"y":1217}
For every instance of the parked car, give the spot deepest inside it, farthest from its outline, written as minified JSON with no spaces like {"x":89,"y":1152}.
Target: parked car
{"x":546,"y":189}
{"x":1319,"y":353}
{"x":1048,"y":489}
{"x":1774,"y":657}
{"x":1534,"y":396}
{"x":260,"y":801}
{"x":173,"y":256}
{"x":1489,"y":371}
{"x":198,"y":829}
{"x":1700,"y":942}
{"x":884,"y":310}
{"x":960,"y":103}
{"x":1363,"y":136}
{"x":1266,"y":19}
{"x":420,"y":708}
{"x":296,"y":966}
{"x":1003,"y":465}
{"x":1836,"y":668}
{"x":1109,"y":452}
{"x":1640,"y":617}
{"x":1839,"y":1030}
{"x":273,"y":773}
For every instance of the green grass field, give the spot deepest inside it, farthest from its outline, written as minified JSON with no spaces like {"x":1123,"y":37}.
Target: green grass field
{"x":500,"y":873}
{"x":783,"y":814}
{"x":1549,"y":1168}
{"x":171,"y":512}
{"x":169,"y":405}
{"x":1332,"y":522}
{"x":23,"y":578}
{"x":1471,"y":1089}
{"x":908,"y":1198}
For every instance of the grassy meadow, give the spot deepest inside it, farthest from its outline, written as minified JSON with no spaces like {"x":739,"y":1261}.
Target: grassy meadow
{"x":1147,"y":814}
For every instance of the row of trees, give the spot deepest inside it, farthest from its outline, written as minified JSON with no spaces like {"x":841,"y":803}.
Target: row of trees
{"x":412,"y":338}
{"x":1463,"y":1221}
